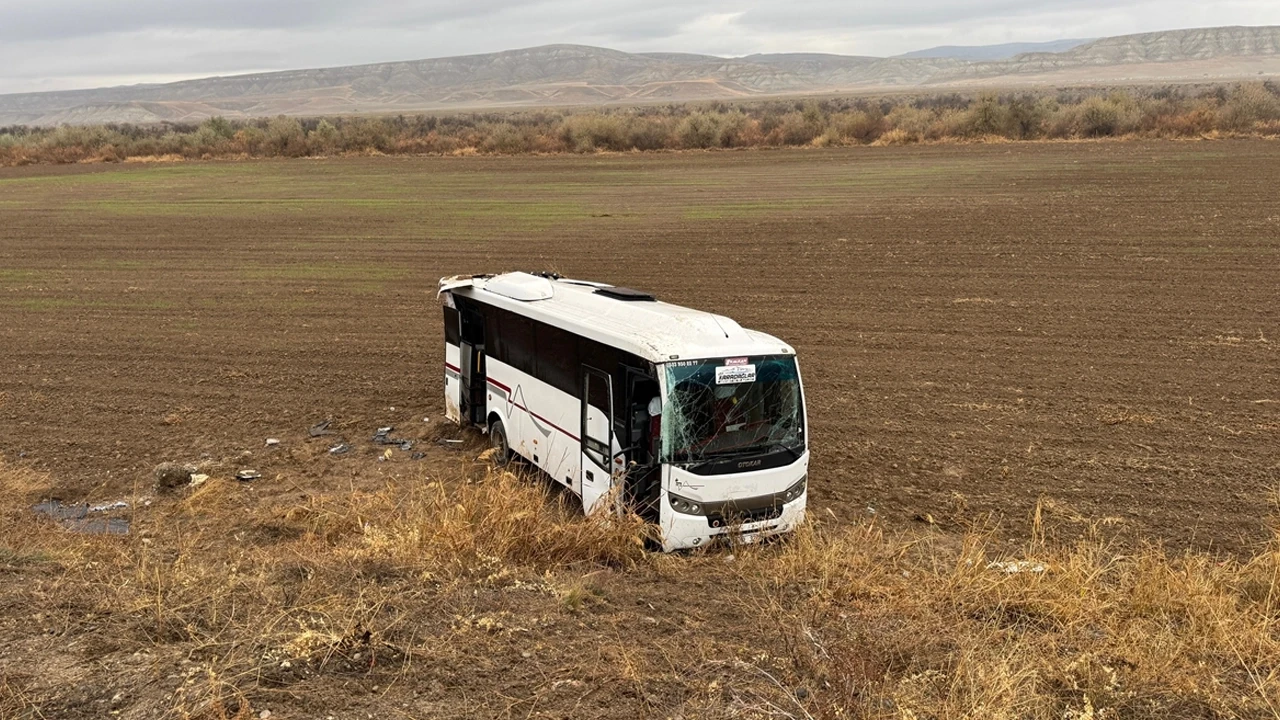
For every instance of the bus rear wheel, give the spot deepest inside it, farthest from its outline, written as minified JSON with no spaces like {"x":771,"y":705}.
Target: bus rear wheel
{"x":498,"y":441}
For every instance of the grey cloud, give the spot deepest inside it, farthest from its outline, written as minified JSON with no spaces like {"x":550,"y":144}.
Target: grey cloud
{"x":647,"y":22}
{"x":239,"y":59}
{"x":833,"y":14}
{"x":60,"y":19}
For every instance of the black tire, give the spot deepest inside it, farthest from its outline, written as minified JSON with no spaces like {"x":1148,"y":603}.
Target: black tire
{"x":498,"y":441}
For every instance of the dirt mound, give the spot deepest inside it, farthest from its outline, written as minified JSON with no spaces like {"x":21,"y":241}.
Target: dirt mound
{"x":170,"y":475}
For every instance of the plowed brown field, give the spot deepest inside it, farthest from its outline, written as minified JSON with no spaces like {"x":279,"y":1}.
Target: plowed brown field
{"x":979,"y":327}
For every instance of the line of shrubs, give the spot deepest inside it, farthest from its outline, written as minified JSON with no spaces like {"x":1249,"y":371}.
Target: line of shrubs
{"x":1174,"y":112}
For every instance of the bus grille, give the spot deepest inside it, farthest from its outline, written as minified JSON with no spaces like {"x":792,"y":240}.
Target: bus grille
{"x":771,"y":512}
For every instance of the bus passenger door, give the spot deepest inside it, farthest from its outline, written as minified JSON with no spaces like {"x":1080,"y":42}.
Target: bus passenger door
{"x":643,"y":483}
{"x":473,"y":384}
{"x":597,"y":437}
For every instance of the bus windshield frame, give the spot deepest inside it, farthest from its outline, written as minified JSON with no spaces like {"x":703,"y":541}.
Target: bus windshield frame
{"x":720,"y":408}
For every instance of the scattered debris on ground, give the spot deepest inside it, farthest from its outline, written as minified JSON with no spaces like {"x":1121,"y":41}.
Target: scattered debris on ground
{"x":320,"y":428}
{"x":248,"y":475}
{"x":78,"y":518}
{"x":383,"y":437}
{"x":1017,"y":566}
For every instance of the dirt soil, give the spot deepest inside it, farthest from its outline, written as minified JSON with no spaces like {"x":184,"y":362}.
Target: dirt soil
{"x":1093,"y":326}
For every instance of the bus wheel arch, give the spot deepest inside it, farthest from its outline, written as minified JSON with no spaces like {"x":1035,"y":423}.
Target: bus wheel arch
{"x":499,"y":441}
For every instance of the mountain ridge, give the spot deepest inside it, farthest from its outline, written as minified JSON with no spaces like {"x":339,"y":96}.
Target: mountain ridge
{"x":1000,"y":51}
{"x":567,"y":74}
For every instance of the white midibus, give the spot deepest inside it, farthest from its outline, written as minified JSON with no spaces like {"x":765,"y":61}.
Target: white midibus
{"x":700,"y":423}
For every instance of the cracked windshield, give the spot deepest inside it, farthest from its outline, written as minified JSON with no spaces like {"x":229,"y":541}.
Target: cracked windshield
{"x":731,"y":407}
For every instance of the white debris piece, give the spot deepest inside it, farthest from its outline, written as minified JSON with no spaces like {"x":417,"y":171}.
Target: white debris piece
{"x":1017,"y":566}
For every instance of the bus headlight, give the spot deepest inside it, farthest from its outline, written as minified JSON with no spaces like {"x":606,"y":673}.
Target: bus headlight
{"x":685,"y":505}
{"x":795,"y":491}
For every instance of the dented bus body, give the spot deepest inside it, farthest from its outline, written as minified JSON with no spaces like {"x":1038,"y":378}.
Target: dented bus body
{"x":692,"y":421}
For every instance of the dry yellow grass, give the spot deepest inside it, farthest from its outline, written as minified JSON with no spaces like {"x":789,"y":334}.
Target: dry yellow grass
{"x":414,"y":586}
{"x":905,"y":630}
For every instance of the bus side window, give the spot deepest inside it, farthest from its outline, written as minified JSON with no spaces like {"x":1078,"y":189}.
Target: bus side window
{"x":452,"y":326}
{"x":596,"y":430}
{"x":494,"y":341}
{"x":557,"y":357}
{"x":519,"y":343}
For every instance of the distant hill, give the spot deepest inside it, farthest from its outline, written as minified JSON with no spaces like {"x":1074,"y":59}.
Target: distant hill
{"x":1003,"y":51}
{"x":579,"y":75}
{"x":1169,"y":46}
{"x":1226,"y":53}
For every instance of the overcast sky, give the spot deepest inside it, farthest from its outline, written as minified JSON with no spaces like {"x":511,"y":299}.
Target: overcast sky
{"x":63,"y":44}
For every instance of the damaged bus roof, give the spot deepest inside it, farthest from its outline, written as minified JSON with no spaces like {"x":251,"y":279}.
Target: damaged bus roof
{"x":628,"y":319}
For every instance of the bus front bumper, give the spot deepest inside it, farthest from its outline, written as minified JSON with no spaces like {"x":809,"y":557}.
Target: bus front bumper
{"x":682,"y":532}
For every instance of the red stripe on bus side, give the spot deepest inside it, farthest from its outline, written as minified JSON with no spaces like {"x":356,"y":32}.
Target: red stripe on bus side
{"x":568,"y":434}
{"x":507,"y":390}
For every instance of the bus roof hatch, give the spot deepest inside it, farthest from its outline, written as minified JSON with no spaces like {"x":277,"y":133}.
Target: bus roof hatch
{"x":622,"y":293}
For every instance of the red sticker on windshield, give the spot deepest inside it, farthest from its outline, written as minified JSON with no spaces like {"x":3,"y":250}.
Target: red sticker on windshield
{"x":735,"y":361}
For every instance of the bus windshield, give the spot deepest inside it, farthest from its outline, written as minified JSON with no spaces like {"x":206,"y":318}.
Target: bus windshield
{"x":731,"y":407}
